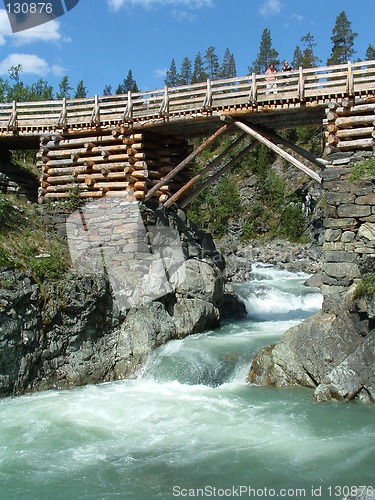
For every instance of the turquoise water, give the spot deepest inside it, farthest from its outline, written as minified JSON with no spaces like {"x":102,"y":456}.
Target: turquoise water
{"x":191,"y":426}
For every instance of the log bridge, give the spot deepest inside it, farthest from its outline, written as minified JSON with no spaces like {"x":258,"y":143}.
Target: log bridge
{"x":107,"y":146}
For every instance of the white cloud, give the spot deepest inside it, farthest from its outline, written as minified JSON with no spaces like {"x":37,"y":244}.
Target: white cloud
{"x":160,"y":73}
{"x":182,"y":15}
{"x":58,"y":70}
{"x":298,"y":17}
{"x":31,"y":64}
{"x":116,"y":5}
{"x":47,"y":32}
{"x":5,"y":29}
{"x":270,"y":8}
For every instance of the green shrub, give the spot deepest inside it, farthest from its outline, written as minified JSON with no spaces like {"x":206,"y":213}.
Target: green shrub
{"x":74,"y":200}
{"x":7,"y":211}
{"x":363,"y":170}
{"x":48,"y":267}
{"x":366,"y":286}
{"x":292,"y":222}
{"x":5,"y":258}
{"x":215,"y":207}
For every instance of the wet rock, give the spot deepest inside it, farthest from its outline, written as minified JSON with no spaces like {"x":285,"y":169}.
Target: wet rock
{"x":330,"y":352}
{"x":231,"y":306}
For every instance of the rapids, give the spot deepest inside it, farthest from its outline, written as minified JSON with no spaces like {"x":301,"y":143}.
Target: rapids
{"x":190,"y":425}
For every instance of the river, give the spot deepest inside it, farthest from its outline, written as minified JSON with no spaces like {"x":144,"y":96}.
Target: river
{"x":191,"y":426}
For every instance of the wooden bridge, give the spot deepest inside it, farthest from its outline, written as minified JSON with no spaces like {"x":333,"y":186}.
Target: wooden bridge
{"x":105,"y":145}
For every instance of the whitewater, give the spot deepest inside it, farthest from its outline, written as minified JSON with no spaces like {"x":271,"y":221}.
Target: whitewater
{"x":191,"y":425}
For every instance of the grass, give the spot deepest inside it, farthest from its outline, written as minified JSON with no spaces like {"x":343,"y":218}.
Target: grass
{"x":26,"y":242}
{"x":366,"y":286}
{"x":364,"y":170}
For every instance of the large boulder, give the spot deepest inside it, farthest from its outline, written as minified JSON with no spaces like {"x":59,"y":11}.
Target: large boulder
{"x":334,"y":353}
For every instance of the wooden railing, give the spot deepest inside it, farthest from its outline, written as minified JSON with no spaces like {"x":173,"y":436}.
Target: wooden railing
{"x":31,"y":118}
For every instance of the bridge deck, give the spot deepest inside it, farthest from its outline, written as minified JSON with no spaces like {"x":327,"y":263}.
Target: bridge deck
{"x":299,"y":98}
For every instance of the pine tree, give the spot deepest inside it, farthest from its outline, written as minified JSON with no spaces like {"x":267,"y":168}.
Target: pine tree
{"x":267,"y":54}
{"x":120,"y":89}
{"x":4,"y":90}
{"x":343,"y":41}
{"x":128,"y":84}
{"x":307,"y":57}
{"x":186,"y":72}
{"x":297,"y":58}
{"x":14,"y":72}
{"x":199,"y":73}
{"x":370,"y":53}
{"x":41,"y":90}
{"x":171,"y":78}
{"x":212,"y":63}
{"x":65,"y":88}
{"x":81,"y":91}
{"x":107,"y":90}
{"x":310,"y":59}
{"x":228,"y":68}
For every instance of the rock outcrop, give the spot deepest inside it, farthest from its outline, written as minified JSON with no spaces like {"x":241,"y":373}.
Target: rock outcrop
{"x":334,"y":353}
{"x":71,"y":333}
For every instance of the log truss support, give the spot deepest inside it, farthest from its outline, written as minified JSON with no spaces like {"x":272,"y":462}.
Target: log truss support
{"x":210,"y":166}
{"x":230,"y":164}
{"x":264,"y":137}
{"x":267,"y":137}
{"x":277,"y":139}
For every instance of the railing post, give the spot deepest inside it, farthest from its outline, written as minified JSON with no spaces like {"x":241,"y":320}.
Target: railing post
{"x":254,"y":90}
{"x":63,"y":115}
{"x":128,"y":112}
{"x":164,"y":108}
{"x":12,"y":124}
{"x":95,"y":117}
{"x":301,"y":85}
{"x":207,"y":103}
{"x":350,"y":80}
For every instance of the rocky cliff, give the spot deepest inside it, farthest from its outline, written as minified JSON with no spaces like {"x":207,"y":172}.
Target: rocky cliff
{"x":70,"y":333}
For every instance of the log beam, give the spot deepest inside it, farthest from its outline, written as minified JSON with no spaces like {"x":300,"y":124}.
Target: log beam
{"x":276,"y":138}
{"x":205,"y":170}
{"x":267,"y":142}
{"x":218,"y":174}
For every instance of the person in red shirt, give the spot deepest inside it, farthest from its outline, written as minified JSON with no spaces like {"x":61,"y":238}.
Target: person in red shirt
{"x":271,"y":78}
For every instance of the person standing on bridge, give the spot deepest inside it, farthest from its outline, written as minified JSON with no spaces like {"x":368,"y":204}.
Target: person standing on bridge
{"x":271,"y":78}
{"x":287,"y":68}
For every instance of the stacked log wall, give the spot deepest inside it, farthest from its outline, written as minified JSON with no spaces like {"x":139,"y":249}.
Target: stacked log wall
{"x":112,"y":164}
{"x":349,"y":236}
{"x":350,"y":126}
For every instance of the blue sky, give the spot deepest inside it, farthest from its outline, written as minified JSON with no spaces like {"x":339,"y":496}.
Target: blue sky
{"x":100,"y":40}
